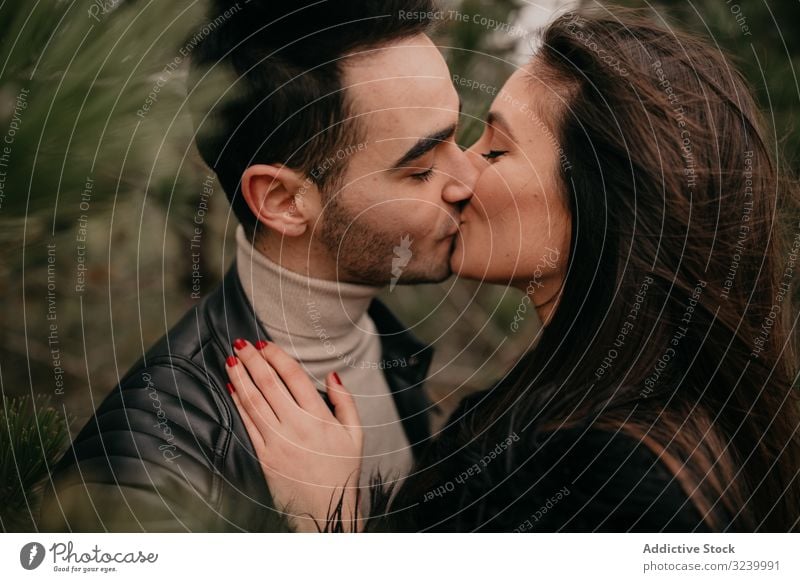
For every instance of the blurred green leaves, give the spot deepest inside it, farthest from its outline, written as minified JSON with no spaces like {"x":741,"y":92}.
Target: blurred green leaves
{"x":83,"y":80}
{"x":478,"y":54}
{"x":97,"y":162}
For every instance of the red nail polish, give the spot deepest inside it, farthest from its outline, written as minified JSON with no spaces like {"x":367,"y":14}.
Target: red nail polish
{"x":232,"y":361}
{"x":231,"y":389}
{"x":261,"y":344}
{"x":336,"y":377}
{"x":239,"y":343}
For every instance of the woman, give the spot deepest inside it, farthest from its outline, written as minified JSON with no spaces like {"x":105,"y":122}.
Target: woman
{"x":628,"y":189}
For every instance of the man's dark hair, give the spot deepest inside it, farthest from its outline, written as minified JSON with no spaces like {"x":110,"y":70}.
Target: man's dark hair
{"x":283,"y":101}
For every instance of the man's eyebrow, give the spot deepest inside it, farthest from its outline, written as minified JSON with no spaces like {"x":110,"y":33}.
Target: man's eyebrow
{"x":496,"y":118}
{"x":427,"y":143}
{"x":424,"y":145}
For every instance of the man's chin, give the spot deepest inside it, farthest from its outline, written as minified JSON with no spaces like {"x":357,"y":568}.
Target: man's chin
{"x":429,"y":276}
{"x":419,"y":273}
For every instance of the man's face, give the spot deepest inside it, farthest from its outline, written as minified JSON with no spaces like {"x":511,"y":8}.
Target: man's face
{"x":396,"y":211}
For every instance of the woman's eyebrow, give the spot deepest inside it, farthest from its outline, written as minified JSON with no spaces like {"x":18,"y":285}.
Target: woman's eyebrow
{"x":496,"y":118}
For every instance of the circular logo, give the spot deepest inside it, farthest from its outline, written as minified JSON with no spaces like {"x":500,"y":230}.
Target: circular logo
{"x":31,"y":555}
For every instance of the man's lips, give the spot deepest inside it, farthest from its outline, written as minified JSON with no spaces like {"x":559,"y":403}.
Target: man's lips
{"x":455,"y":225}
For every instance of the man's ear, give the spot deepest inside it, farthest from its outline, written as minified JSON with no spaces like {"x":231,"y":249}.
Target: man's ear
{"x":279,"y":198}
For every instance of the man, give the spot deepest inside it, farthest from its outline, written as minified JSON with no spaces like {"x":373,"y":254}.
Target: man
{"x":334,"y":140}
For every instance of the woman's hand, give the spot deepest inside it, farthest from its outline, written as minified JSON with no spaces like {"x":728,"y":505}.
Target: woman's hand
{"x":311,"y":458}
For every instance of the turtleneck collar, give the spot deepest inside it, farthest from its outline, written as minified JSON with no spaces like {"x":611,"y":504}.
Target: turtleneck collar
{"x":298,"y":306}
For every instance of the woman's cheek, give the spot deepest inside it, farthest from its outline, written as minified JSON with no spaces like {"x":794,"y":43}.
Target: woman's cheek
{"x":492,"y":193}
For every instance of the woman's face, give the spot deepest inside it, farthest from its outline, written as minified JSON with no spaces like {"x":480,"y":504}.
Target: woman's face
{"x":516,"y":228}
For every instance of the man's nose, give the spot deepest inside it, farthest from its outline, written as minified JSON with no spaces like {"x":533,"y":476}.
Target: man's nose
{"x":463,"y":177}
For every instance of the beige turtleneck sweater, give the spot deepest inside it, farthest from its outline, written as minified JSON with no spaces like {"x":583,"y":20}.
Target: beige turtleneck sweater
{"x":325,"y":326}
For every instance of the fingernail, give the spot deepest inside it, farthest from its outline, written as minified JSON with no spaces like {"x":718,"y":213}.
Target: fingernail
{"x":232,"y":361}
{"x":239,"y":343}
{"x":336,"y":377}
{"x":261,"y":344}
{"x":231,"y":389}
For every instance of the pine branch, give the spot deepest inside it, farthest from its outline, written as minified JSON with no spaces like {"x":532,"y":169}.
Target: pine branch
{"x":33,"y":435}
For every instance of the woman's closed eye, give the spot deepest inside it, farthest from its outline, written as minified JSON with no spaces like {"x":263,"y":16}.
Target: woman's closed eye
{"x":494,"y":154}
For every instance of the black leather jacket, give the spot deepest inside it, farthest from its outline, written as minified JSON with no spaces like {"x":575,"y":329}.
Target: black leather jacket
{"x":167,"y":450}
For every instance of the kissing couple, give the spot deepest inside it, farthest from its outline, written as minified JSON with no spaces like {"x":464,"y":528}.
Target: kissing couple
{"x":623,"y":182}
